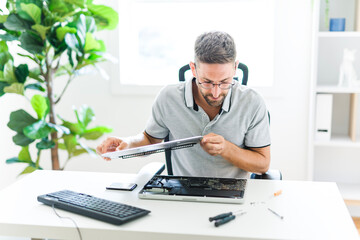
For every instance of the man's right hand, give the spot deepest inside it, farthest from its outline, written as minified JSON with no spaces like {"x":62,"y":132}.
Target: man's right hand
{"x":111,"y":144}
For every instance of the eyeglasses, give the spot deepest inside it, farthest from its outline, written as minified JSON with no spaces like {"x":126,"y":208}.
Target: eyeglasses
{"x":209,"y":85}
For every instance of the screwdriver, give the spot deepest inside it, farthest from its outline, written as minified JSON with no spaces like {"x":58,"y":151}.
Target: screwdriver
{"x":225,"y":217}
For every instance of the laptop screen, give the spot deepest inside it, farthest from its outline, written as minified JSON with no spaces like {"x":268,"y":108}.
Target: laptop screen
{"x":154,"y":148}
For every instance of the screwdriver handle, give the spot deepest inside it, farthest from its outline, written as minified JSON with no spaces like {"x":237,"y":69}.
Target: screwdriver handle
{"x":224,"y":220}
{"x":223,"y":215}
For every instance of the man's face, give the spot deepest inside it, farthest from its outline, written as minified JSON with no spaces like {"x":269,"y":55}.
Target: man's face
{"x":208,"y":74}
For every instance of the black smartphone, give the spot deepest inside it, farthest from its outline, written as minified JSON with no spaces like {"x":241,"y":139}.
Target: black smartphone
{"x":122,"y":186}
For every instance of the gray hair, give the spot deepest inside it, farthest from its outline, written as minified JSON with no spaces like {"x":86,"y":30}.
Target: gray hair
{"x":215,"y":47}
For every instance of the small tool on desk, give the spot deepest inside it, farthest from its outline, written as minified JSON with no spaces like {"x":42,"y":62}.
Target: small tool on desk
{"x":225,"y":217}
{"x":278,"y":193}
{"x":276,"y":214}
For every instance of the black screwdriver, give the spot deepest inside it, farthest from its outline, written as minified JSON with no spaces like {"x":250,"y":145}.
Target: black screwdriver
{"x":220,"y":216}
{"x":225,"y":217}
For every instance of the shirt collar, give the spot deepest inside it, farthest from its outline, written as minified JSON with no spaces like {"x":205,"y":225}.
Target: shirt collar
{"x":190,"y":102}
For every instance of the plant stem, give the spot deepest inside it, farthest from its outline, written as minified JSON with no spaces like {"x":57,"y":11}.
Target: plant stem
{"x":49,"y":85}
{"x":38,"y":159}
{"x":71,"y":77}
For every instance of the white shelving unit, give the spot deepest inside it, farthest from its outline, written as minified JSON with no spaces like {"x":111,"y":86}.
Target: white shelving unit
{"x":336,"y":159}
{"x":338,"y":34}
{"x":337,"y":89}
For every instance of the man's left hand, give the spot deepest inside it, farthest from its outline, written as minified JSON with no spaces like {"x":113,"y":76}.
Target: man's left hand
{"x":213,"y":144}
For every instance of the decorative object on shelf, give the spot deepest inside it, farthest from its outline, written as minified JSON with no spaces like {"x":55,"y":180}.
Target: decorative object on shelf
{"x":50,"y":39}
{"x":347,"y":76}
{"x":337,"y":24}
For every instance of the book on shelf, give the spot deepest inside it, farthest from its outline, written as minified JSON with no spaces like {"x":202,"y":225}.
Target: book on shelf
{"x":353,"y":116}
{"x":357,"y":15}
{"x":323,"y":116}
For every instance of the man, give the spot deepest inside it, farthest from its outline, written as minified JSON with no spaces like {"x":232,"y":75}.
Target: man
{"x":232,"y":118}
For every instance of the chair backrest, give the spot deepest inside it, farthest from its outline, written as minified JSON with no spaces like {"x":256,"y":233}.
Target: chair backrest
{"x":271,"y":174}
{"x":241,"y":66}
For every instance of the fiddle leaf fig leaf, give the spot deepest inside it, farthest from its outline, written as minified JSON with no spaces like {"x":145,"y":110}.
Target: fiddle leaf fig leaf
{"x":61,"y":31}
{"x":91,"y":43}
{"x":74,"y":127}
{"x":80,"y":3}
{"x":40,"y":105}
{"x":17,"y":88}
{"x":33,"y":11}
{"x":96,"y":132}
{"x":8,"y":37}
{"x":37,"y":130}
{"x":32,"y":43}
{"x":90,"y":24}
{"x":77,"y":152}
{"x":105,"y":17}
{"x":45,"y":144}
{"x":15,"y":23}
{"x":3,"y":18}
{"x":19,"y":120}
{"x":70,"y":143}
{"x":59,"y":128}
{"x":21,"y":140}
{"x":9,"y":75}
{"x":89,"y":150}
{"x":24,"y":154}
{"x":29,"y":169}
{"x":26,"y":10}
{"x":41,"y":30}
{"x":34,"y":74}
{"x":21,"y":73}
{"x":13,"y":160}
{"x":71,"y":41}
{"x":35,"y":86}
{"x":85,"y":115}
{"x":5,"y":56}
{"x":2,"y":86}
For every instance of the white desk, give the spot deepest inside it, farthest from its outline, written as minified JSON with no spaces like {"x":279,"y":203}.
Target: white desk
{"x":312,"y":210}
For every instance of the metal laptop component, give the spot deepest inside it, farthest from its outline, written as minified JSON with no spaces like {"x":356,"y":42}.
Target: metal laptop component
{"x":154,"y":148}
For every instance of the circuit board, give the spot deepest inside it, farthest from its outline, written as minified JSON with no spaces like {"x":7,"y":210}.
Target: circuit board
{"x":196,"y":186}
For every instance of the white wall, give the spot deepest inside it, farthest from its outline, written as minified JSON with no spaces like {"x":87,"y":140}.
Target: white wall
{"x":127,"y":114}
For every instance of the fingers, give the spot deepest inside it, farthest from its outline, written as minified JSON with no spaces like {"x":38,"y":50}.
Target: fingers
{"x":122,"y":146}
{"x":213,"y":149}
{"x":212,"y":138}
{"x":109,"y":145}
{"x":213,"y":144}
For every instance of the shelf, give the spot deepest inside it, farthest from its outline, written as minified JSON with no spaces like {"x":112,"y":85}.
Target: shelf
{"x":338,"y":34}
{"x":337,"y":140}
{"x":336,"y":89}
{"x":350,"y":191}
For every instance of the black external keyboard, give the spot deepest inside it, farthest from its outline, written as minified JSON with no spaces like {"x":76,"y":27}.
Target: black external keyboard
{"x":90,"y":206}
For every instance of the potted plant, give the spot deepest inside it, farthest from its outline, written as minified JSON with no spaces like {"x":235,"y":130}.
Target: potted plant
{"x":56,"y":38}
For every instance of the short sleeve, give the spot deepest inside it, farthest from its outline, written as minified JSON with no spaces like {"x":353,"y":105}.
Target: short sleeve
{"x":258,"y":134}
{"x":155,"y":125}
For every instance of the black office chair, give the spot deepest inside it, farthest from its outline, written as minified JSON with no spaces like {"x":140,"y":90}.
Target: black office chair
{"x":241,"y":66}
{"x":271,"y":174}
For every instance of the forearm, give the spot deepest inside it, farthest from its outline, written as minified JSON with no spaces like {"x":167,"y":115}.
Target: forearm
{"x":141,"y":139}
{"x":251,"y":160}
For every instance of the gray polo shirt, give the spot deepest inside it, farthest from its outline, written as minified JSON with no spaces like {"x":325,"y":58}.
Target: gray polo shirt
{"x":243,"y":120}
